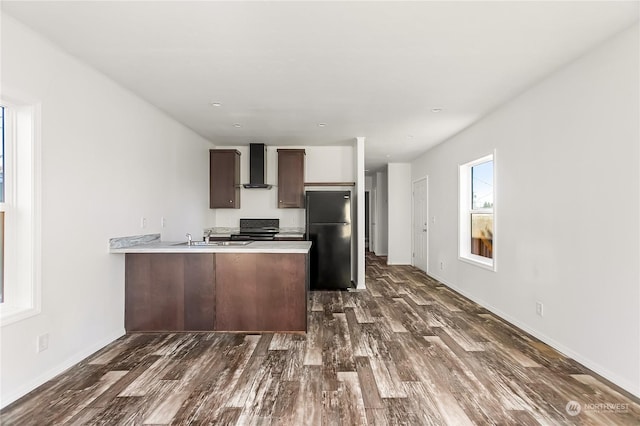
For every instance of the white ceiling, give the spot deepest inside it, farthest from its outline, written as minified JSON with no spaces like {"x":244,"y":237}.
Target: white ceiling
{"x":372,"y":69}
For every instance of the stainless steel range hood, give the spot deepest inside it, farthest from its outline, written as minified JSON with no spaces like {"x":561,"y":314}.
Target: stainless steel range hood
{"x":257,"y":167}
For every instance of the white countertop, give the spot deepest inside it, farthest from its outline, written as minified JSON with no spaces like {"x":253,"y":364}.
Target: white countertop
{"x":254,"y":247}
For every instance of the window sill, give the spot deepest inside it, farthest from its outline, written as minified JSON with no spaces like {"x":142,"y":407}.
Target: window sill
{"x":479,"y":261}
{"x":11,"y":314}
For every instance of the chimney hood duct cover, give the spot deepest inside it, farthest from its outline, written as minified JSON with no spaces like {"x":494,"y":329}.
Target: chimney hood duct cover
{"x":257,"y":167}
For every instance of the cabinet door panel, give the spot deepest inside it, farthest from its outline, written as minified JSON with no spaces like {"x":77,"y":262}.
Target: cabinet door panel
{"x":261,"y":292}
{"x":224,"y":178}
{"x":281,"y":299}
{"x":169,"y":292}
{"x":236,"y":292}
{"x":291,"y":178}
{"x":137,"y":291}
{"x":154,"y":292}
{"x":199,"y":291}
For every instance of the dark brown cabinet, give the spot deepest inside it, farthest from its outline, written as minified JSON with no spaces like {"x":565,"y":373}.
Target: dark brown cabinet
{"x":224,"y":179}
{"x":261,"y":292}
{"x":169,"y":292}
{"x":291,"y":178}
{"x":216,"y":292}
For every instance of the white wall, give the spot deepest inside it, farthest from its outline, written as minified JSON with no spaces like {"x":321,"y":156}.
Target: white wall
{"x":368,"y":183}
{"x":399,"y":216}
{"x":358,"y":265}
{"x":567,"y":206}
{"x":322,"y":164}
{"x":108,"y":158}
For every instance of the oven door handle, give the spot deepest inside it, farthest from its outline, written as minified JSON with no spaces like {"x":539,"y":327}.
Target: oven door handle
{"x":240,"y":237}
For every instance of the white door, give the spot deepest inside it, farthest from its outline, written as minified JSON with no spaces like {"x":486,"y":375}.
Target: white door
{"x":420,"y":224}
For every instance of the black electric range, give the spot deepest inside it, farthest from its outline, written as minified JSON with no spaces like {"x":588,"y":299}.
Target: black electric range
{"x":257,"y":230}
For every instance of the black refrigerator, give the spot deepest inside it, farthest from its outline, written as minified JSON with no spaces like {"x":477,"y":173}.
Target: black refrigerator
{"x":329,"y":230}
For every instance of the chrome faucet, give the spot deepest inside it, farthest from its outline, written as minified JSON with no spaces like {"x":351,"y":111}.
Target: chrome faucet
{"x":207,"y":237}
{"x":188,"y":239}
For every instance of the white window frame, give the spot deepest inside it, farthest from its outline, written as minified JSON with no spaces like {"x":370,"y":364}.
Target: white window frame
{"x":22,"y":262}
{"x":465,"y":209}
{"x":3,"y":203}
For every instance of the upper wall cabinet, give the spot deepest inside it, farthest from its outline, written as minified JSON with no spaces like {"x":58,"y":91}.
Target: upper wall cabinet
{"x":291,"y":178}
{"x":224,"y":179}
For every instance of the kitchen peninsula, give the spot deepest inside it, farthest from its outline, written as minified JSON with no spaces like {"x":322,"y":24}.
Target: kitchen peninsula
{"x":257,"y":287}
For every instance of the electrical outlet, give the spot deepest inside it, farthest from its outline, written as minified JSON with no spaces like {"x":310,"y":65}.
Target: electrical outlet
{"x":163,"y":222}
{"x":143,"y":222}
{"x":43,"y":342}
{"x":539,"y":309}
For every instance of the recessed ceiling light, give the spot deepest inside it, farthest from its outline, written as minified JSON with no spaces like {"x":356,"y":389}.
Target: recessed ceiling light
{"x":388,"y":155}
{"x":237,"y":125}
{"x":322,"y":124}
{"x":215,"y":104}
{"x":436,"y":109}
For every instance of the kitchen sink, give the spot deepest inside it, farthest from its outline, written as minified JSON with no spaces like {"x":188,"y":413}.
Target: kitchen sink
{"x":216,"y":243}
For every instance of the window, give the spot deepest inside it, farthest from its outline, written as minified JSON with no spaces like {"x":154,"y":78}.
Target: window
{"x":477,"y":212}
{"x":19,"y":218}
{"x":482,"y":209}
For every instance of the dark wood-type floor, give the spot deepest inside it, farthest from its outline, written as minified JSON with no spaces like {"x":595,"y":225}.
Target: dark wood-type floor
{"x":406,"y":351}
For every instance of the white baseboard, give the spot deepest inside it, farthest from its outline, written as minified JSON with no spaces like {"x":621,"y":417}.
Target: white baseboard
{"x":623,"y":382}
{"x":53,"y":372}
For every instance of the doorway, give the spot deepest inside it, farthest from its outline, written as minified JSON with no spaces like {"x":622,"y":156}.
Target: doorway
{"x":366,"y":220}
{"x":373,"y":213}
{"x":421,"y":224}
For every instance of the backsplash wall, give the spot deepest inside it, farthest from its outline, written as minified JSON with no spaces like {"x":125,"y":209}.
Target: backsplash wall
{"x":322,"y":164}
